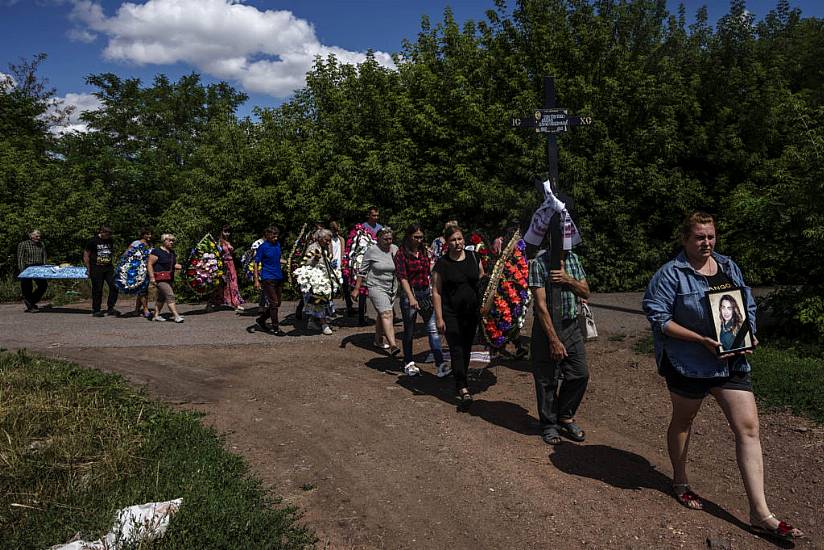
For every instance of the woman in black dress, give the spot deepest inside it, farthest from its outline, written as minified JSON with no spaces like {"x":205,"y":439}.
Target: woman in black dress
{"x":457,"y":305}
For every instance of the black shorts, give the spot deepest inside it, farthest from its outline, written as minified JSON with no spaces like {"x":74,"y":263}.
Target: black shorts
{"x":699,"y":388}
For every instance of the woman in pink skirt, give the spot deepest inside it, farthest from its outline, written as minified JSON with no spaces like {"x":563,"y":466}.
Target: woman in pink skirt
{"x":227,"y":294}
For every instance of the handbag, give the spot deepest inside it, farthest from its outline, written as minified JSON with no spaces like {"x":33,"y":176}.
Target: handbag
{"x":163,"y":276}
{"x":586,"y":322}
{"x":425,"y":307}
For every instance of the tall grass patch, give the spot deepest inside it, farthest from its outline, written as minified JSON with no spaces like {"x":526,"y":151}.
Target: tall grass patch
{"x":77,"y":444}
{"x":785,"y":378}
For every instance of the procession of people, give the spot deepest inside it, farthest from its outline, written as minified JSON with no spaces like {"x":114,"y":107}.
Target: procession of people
{"x":448,"y":287}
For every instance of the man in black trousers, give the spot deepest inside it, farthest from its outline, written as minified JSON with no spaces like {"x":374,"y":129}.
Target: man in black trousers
{"x":32,"y":252}
{"x":559,"y":363}
{"x":99,"y":259}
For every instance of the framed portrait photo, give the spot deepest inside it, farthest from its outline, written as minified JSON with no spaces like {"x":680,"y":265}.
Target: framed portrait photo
{"x":728,"y":312}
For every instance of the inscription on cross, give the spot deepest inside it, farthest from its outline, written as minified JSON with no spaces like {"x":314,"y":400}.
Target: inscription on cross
{"x":552,"y":121}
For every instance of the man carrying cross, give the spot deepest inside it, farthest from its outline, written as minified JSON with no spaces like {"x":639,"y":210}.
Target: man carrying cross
{"x":557,"y":281}
{"x":558,"y":354}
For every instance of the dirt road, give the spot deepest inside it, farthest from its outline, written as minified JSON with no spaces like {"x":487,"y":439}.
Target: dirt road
{"x":380,"y":460}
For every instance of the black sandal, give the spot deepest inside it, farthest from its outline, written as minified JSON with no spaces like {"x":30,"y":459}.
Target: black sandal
{"x":551,"y":436}
{"x":464,"y":400}
{"x":571,"y":431}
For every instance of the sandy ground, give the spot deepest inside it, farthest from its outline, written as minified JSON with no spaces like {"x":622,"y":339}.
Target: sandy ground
{"x":376,"y":459}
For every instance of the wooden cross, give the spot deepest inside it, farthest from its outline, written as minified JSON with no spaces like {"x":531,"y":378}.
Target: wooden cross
{"x":552,"y":120}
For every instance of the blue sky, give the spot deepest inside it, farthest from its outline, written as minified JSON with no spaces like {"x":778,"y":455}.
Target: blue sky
{"x":262,"y":47}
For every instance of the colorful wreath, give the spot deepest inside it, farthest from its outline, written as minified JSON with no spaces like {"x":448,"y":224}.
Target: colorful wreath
{"x":358,"y":242}
{"x":296,"y":255}
{"x":507,"y":295}
{"x":131,"y":274}
{"x":204,"y":268}
{"x":247,"y":261}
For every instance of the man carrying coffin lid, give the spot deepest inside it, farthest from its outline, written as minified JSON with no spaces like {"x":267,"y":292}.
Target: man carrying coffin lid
{"x":32,"y":252}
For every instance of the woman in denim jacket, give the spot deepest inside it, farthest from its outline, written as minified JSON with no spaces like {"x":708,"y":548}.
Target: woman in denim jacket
{"x":689,"y":359}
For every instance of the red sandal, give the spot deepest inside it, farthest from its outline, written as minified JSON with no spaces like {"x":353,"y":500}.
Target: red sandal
{"x":686,"y":497}
{"x":782,"y":532}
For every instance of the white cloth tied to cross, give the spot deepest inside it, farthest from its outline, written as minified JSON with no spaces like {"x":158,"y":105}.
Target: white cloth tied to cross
{"x":540,"y":221}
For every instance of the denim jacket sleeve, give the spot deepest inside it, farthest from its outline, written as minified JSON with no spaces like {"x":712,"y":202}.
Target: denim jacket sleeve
{"x":659,"y":299}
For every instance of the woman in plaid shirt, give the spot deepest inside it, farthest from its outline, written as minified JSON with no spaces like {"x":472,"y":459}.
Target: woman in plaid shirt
{"x":412,"y":268}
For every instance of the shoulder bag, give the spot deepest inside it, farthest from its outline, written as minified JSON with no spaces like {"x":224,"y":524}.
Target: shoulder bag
{"x":586,"y":322}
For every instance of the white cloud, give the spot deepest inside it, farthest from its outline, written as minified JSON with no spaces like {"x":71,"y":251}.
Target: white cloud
{"x":7,"y":82}
{"x":64,"y":112}
{"x":81,"y":35}
{"x":265,"y":51}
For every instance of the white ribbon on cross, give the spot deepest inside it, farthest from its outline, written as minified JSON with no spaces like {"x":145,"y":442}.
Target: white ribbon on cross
{"x":540,"y":221}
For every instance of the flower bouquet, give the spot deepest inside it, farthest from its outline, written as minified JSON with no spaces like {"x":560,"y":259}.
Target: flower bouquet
{"x":318,"y":283}
{"x":296,"y":255}
{"x":248,"y":260}
{"x":507,"y":295}
{"x":131,"y":275}
{"x":357,"y":244}
{"x":204,"y":269}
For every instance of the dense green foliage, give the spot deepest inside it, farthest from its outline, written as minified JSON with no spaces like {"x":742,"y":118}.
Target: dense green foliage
{"x":728,"y":118}
{"x":78,"y":444}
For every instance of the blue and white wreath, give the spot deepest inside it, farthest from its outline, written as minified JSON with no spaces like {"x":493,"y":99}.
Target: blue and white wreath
{"x":131,"y":275}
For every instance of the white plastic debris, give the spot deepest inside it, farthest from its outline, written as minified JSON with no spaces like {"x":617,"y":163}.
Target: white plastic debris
{"x":139,"y":523}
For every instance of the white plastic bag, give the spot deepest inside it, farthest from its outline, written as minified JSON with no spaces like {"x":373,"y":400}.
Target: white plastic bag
{"x":142,"y":522}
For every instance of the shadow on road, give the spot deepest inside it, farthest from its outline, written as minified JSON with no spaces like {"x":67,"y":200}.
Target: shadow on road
{"x":624,"y":470}
{"x":59,"y":309}
{"x":444,"y":389}
{"x":635,"y":311}
{"x":507,"y":415}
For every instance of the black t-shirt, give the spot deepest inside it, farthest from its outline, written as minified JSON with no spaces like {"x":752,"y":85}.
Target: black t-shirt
{"x":459,"y":284}
{"x":719,"y":281}
{"x":101,"y":251}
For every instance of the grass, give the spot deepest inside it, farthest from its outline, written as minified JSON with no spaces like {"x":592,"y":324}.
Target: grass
{"x":643,"y":345}
{"x":783,"y":377}
{"x":77,"y":444}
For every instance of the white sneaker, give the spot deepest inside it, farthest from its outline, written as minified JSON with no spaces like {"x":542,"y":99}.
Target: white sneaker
{"x":327,"y":330}
{"x":411,"y":369}
{"x":159,"y":318}
{"x":179,"y":319}
{"x":443,"y":370}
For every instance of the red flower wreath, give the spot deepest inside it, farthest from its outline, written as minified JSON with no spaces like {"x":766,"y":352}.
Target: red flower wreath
{"x":512,"y":296}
